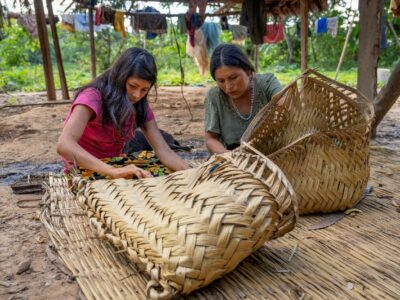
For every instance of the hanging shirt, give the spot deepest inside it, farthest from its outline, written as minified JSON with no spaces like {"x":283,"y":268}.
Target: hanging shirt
{"x":275,"y":33}
{"x":239,"y":34}
{"x":199,"y":51}
{"x":332,"y":26}
{"x":102,"y":140}
{"x":321,"y":25}
{"x":154,"y":24}
{"x":119,"y":23}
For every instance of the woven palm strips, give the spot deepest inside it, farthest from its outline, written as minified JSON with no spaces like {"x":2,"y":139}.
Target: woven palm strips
{"x":191,"y":227}
{"x":319,"y":136}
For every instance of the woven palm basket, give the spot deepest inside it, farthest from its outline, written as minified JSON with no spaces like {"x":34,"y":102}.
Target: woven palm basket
{"x":318,"y":132}
{"x":191,"y":227}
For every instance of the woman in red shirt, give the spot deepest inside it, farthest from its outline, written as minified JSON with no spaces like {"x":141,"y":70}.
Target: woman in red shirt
{"x":105,"y":114}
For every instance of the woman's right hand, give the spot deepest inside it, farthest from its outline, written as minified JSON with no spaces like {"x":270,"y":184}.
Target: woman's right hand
{"x":129,"y":172}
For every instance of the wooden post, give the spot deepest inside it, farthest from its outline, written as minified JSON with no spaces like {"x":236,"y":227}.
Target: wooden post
{"x":345,"y":46}
{"x":370,"y":17}
{"x":63,"y":82}
{"x":256,"y":50}
{"x":45,"y":48}
{"x":304,"y":33}
{"x":92,"y":44}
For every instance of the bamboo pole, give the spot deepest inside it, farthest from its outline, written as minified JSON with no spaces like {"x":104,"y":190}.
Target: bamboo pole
{"x":63,"y":81}
{"x":345,"y":46}
{"x":92,"y":44}
{"x":45,"y":49}
{"x":304,"y":33}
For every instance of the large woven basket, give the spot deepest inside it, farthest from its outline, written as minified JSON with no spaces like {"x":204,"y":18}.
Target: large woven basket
{"x":191,"y":227}
{"x":317,"y":131}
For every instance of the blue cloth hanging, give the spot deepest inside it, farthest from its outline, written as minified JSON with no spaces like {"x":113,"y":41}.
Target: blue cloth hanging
{"x":321,"y":25}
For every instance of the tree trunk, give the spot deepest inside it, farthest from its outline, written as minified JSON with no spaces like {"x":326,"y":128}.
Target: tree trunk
{"x":387,"y":97}
{"x":370,"y":17}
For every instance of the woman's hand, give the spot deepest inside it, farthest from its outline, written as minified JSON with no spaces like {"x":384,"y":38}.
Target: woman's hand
{"x":129,"y":172}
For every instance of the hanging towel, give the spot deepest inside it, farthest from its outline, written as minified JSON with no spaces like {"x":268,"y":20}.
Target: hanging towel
{"x":239,"y":34}
{"x":212,"y":33}
{"x":198,"y":52}
{"x":29,"y":23}
{"x":395,"y":7}
{"x":119,"y":22}
{"x":382,"y":37}
{"x":107,"y":15}
{"x":332,"y":26}
{"x":154,"y":23}
{"x":253,"y":16}
{"x":98,"y":16}
{"x":275,"y":33}
{"x":321,"y":25}
{"x":67,"y":23}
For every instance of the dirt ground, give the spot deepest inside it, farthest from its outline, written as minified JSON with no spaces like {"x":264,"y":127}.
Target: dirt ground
{"x":28,"y":134}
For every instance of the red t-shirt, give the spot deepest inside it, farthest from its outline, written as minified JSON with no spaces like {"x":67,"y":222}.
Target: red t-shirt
{"x":98,"y":139}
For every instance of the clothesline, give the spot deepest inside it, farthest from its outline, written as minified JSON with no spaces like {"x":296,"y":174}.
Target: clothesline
{"x":232,"y":13}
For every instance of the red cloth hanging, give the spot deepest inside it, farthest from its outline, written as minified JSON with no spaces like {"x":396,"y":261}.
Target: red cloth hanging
{"x":275,"y":33}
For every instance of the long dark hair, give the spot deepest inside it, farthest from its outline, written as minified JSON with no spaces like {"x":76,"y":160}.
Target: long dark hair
{"x":117,"y":107}
{"x":231,"y":56}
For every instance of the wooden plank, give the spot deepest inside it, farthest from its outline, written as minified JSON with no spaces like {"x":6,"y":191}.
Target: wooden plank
{"x":92,"y":44}
{"x":45,"y":48}
{"x":304,"y":34}
{"x":63,"y":81}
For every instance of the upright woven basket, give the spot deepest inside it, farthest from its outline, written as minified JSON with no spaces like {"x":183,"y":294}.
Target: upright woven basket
{"x":191,"y":227}
{"x":317,"y":131}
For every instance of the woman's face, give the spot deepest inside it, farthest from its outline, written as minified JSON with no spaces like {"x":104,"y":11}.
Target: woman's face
{"x":232,"y":81}
{"x":136,"y":88}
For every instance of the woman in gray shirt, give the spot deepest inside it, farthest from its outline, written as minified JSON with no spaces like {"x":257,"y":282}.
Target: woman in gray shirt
{"x":239,"y":95}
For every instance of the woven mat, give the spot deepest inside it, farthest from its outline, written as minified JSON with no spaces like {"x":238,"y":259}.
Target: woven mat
{"x":358,"y":256}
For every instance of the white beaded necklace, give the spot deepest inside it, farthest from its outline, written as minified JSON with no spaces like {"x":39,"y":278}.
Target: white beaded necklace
{"x":251,"y":91}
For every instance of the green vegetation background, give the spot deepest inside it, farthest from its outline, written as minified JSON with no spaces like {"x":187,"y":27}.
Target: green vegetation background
{"x":21,"y":62}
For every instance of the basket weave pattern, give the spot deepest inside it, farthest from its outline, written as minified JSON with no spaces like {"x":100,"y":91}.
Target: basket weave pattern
{"x":319,"y":136}
{"x":191,"y":227}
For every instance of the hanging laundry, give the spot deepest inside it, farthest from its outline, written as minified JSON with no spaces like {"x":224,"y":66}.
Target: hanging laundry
{"x":332,"y":26}
{"x":119,"y":22}
{"x":81,"y":22}
{"x":56,"y":20}
{"x":239,"y":34}
{"x":154,"y":24}
{"x":29,"y":23}
{"x":193,"y":21}
{"x":253,"y":15}
{"x":395,"y":7}
{"x":275,"y":33}
{"x":67,"y":23}
{"x":97,"y":17}
{"x":199,"y":51}
{"x":224,"y":23}
{"x":212,"y":33}
{"x":321,"y":25}
{"x":382,"y":36}
{"x":107,"y":15}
